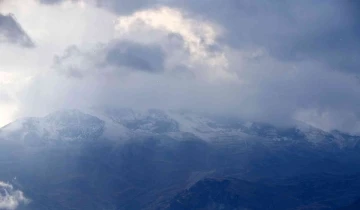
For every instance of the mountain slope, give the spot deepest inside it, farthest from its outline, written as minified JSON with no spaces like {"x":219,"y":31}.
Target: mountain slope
{"x":230,"y":194}
{"x":322,"y":191}
{"x":67,"y":160}
{"x":353,"y":206}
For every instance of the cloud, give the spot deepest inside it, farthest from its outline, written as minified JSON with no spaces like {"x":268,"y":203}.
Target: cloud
{"x":123,"y":7}
{"x":269,"y":63}
{"x":126,"y":7}
{"x":148,"y":58}
{"x":111,"y":58}
{"x":11,"y":199}
{"x":4,"y":97}
{"x":326,"y":33}
{"x":175,"y":44}
{"x":191,"y":39}
{"x":11,"y":31}
{"x":55,"y":1}
{"x":289,"y":30}
{"x":263,"y":89}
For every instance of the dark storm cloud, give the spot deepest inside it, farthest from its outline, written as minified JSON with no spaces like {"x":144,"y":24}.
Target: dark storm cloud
{"x":125,"y":6}
{"x":11,"y":31}
{"x":116,"y":56}
{"x":149,"y":58}
{"x":116,"y":6}
{"x":327,"y":31}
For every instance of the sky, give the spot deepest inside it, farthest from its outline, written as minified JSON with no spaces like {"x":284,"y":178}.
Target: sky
{"x":280,"y":62}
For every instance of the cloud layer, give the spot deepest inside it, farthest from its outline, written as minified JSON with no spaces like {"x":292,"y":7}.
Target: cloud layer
{"x":280,"y":62}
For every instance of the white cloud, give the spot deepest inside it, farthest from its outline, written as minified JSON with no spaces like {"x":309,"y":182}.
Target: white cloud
{"x":53,"y":29}
{"x":10,"y":198}
{"x":197,"y":36}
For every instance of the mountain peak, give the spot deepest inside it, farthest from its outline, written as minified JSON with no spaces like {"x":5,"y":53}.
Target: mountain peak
{"x":64,"y":125}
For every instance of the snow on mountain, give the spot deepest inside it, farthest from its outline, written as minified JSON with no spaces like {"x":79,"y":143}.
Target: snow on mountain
{"x":66,"y":125}
{"x":73,"y":125}
{"x":211,"y":128}
{"x":152,"y":120}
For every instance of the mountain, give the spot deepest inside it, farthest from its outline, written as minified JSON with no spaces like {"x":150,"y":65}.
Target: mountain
{"x":321,"y":191}
{"x":154,"y":121}
{"x":230,"y":194}
{"x":127,"y":160}
{"x":69,"y":125}
{"x":73,"y":125}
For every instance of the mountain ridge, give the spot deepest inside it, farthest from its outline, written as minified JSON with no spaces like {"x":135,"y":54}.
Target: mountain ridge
{"x":72,"y":160}
{"x":125,"y":122}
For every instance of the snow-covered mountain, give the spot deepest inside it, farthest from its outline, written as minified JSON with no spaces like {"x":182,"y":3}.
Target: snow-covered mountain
{"x":74,"y":125}
{"x":65,"y":125}
{"x":131,"y":160}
